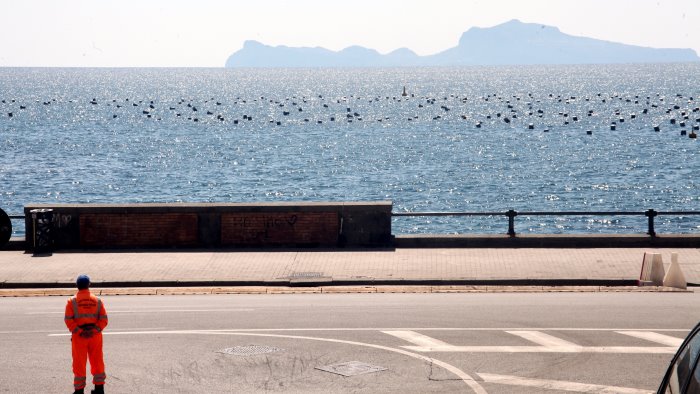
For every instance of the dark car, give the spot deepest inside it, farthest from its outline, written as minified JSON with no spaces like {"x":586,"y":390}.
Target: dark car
{"x":683,"y":375}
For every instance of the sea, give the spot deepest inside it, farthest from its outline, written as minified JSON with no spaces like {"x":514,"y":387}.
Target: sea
{"x":582,"y":138}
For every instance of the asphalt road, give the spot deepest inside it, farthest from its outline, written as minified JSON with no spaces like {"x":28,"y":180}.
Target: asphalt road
{"x":428,"y":343}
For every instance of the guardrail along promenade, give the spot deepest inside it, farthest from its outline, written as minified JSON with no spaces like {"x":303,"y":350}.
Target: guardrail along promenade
{"x":300,"y":224}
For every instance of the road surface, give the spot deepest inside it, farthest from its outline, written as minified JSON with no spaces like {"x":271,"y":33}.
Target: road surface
{"x":405,"y":343}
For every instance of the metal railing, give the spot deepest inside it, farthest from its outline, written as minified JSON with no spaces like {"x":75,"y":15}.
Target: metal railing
{"x":511,"y":214}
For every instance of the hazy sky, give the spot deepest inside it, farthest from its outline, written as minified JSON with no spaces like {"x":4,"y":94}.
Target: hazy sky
{"x":203,"y":33}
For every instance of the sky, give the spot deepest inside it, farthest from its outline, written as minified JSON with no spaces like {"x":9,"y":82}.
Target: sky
{"x":203,"y":33}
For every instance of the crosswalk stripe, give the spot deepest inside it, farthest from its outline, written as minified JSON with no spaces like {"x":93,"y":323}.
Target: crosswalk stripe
{"x":546,"y":344}
{"x":418,"y":339}
{"x":543,"y":339}
{"x":559,"y":385}
{"x":654,"y":337}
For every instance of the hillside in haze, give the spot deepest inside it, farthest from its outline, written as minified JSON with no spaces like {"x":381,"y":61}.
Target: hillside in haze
{"x":510,"y":43}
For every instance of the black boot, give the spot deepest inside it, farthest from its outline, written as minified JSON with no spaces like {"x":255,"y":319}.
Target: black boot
{"x":79,"y":391}
{"x":99,"y":389}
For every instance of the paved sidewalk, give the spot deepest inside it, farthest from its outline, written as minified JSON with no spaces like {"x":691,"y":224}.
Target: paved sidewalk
{"x":336,"y":267}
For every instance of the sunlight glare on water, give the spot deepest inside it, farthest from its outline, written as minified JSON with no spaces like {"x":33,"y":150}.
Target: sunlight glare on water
{"x":170,"y":135}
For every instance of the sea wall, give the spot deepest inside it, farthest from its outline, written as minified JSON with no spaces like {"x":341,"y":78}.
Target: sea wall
{"x":213,"y":225}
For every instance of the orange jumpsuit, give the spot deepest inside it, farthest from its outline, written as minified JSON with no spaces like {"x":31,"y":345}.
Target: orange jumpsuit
{"x":81,"y":310}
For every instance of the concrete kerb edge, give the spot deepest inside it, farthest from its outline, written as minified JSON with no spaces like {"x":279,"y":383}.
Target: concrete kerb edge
{"x":327,"y":282}
{"x":335,"y":290}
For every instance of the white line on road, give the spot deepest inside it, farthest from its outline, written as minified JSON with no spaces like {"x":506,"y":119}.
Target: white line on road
{"x":418,"y":339}
{"x":548,"y":344}
{"x":468,"y":380}
{"x":153,"y":311}
{"x":543,"y":339}
{"x":654,"y":337}
{"x":559,"y":385}
{"x":683,"y":330}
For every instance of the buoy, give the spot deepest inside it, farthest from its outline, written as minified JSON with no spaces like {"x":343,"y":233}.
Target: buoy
{"x":692,"y":135}
{"x":674,"y":277}
{"x":404,"y":94}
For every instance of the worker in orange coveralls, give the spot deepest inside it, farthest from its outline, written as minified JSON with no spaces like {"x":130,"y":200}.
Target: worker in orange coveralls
{"x":86,"y":318}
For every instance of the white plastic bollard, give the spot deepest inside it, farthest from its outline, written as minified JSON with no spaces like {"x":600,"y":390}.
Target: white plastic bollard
{"x":675,"y":277}
{"x":657,"y":270}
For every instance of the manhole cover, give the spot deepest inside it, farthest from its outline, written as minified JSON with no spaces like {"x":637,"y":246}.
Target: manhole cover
{"x":305,"y":275}
{"x":249,"y":350}
{"x":351,"y":368}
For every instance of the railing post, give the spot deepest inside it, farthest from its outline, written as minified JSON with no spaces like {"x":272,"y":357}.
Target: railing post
{"x":511,"y":222}
{"x":651,"y":214}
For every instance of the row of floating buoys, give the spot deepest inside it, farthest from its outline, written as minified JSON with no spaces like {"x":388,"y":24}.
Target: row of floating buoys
{"x":524,"y":109}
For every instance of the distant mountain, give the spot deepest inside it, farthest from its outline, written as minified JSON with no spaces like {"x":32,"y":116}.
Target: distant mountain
{"x":509,"y":43}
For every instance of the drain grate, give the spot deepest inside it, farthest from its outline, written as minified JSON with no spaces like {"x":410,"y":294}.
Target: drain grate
{"x":250,"y":350}
{"x":296,"y":275}
{"x":351,"y":368}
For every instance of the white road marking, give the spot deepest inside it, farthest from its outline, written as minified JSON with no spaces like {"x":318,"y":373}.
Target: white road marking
{"x":683,"y":330}
{"x":654,"y":337}
{"x":559,"y":385}
{"x":543,"y":339}
{"x":110,"y":312}
{"x":548,"y":344}
{"x":468,"y":380}
{"x":418,"y":339}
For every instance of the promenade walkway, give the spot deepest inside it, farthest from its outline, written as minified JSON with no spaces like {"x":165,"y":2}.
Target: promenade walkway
{"x":314,"y":267}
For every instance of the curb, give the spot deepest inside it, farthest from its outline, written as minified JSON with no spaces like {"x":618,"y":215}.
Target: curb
{"x":329,"y":282}
{"x":337,"y":290}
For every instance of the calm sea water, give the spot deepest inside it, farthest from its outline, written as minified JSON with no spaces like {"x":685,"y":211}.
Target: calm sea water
{"x":133,"y":135}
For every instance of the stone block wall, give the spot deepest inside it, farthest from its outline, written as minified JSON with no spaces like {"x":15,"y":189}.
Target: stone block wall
{"x":135,"y":226}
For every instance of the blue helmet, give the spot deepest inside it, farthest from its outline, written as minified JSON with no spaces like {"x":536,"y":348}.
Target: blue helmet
{"x":83,"y":281}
